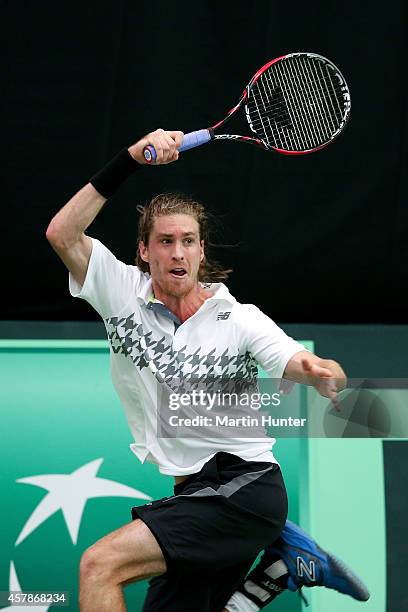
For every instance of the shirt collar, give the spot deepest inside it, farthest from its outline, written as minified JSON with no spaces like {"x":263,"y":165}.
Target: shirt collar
{"x":146,"y":293}
{"x":221,"y":293}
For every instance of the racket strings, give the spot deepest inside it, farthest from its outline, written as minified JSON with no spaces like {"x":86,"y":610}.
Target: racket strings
{"x":306,"y":114}
{"x":282,"y":119}
{"x":279,"y":103}
{"x":308,"y":106}
{"x":297,"y":104}
{"x":280,"y":111}
{"x":320,"y":87}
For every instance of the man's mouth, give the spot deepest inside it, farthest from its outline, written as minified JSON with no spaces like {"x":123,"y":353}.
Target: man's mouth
{"x":179,"y":272}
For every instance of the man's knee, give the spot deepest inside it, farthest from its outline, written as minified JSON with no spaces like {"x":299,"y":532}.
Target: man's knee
{"x":116,"y":560}
{"x":94,"y":565}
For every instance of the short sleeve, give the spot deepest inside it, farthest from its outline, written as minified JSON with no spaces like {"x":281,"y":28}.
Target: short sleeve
{"x":109,"y":283}
{"x":267,"y":343}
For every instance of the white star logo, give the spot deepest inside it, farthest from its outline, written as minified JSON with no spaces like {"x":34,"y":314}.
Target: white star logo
{"x":69,"y":493}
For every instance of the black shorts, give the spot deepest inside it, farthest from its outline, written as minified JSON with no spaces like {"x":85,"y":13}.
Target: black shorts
{"x":211,"y":531}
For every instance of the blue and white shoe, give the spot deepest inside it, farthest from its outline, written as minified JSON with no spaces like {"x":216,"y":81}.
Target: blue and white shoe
{"x":308,"y":565}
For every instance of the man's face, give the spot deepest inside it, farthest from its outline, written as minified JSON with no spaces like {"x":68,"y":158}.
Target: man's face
{"x":174,"y":253}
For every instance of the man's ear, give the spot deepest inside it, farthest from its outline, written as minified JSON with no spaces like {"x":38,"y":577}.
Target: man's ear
{"x":144,"y":251}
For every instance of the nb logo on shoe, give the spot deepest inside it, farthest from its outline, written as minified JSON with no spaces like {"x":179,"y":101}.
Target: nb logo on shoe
{"x":223,"y":316}
{"x":308,"y":569}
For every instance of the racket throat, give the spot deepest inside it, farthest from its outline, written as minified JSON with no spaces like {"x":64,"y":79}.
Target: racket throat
{"x":245,"y":139}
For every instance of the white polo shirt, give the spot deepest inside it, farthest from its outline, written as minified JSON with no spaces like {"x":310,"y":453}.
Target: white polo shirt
{"x":222,"y":339}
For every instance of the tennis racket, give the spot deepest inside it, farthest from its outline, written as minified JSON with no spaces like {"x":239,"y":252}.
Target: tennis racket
{"x":295,"y":104}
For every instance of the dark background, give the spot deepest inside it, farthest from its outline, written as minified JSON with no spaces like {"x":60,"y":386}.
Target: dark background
{"x":322,"y":237}
{"x":396,"y":505}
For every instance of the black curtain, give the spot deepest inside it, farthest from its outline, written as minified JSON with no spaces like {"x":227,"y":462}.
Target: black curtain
{"x":322,"y":238}
{"x":396,"y":504}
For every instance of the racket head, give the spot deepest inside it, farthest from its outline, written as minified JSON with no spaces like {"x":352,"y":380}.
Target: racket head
{"x":297,"y":103}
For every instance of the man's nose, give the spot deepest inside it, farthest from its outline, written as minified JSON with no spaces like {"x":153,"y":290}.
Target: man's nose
{"x":178,"y":252}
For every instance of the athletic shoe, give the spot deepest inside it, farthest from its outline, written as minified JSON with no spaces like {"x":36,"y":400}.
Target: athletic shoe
{"x":309,"y":565}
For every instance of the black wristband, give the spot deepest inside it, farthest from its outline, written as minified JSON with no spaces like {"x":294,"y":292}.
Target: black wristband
{"x":110,"y":178}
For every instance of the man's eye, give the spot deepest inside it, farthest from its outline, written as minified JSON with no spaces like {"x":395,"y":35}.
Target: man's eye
{"x":189,"y":240}
{"x":166,"y":241}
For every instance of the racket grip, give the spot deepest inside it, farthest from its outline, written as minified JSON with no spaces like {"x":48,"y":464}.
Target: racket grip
{"x":190,"y":140}
{"x":195,"y":139}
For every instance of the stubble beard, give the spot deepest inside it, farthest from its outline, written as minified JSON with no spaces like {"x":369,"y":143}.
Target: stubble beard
{"x":174,"y":289}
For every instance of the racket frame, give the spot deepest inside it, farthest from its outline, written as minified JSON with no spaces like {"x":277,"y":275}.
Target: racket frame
{"x":245,"y":97}
{"x":149,"y":152}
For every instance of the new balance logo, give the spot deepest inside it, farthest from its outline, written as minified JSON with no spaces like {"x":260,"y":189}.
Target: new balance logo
{"x":304,"y":568}
{"x":223,"y":316}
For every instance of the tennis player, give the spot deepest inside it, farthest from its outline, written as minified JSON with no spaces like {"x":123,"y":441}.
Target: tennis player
{"x":169,"y":319}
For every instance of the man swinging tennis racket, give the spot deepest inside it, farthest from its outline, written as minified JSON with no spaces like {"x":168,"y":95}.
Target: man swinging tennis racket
{"x":171,"y":317}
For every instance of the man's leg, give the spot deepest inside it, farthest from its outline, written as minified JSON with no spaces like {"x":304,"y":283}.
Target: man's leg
{"x":216,"y":521}
{"x":126,"y":555}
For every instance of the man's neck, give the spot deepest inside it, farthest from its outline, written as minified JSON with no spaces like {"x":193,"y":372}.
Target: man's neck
{"x":186,"y":306}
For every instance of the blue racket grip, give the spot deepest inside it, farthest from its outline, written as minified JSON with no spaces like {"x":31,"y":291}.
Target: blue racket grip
{"x":195,"y":139}
{"x":190,"y":140}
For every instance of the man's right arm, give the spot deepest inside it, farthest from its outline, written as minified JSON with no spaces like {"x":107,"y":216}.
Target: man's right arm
{"x":66,"y":232}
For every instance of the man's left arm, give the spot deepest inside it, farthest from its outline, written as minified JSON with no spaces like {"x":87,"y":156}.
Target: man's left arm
{"x":325,"y":375}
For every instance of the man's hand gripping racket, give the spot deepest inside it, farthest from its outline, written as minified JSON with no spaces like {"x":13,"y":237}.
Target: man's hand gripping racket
{"x":295,"y":104}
